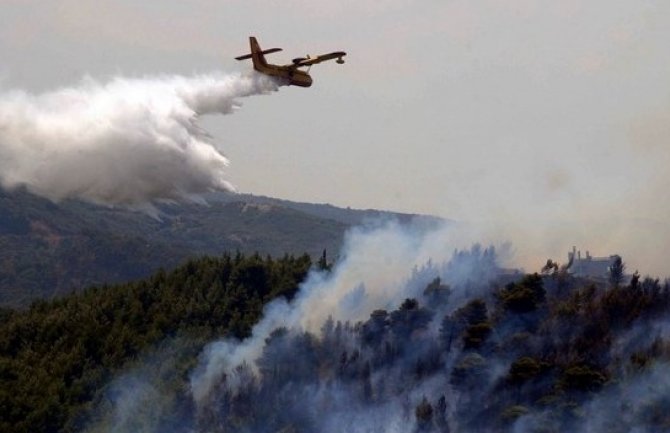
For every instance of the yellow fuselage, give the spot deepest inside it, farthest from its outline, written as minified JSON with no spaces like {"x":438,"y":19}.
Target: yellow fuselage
{"x":295,"y":77}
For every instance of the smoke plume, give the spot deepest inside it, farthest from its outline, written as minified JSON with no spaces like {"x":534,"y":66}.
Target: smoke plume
{"x":412,"y":332}
{"x":416,"y":329}
{"x":124,"y":142}
{"x":381,"y":267}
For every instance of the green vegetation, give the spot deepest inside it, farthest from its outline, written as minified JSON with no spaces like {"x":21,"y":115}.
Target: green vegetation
{"x":524,"y":296}
{"x":48,"y":250}
{"x":56,"y":357}
{"x":544,"y":352}
{"x":550,"y":351}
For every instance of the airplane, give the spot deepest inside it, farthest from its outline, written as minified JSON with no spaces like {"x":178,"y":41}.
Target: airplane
{"x":290,"y":72}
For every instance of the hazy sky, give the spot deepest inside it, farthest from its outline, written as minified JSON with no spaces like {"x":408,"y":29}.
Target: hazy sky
{"x":552,"y":116}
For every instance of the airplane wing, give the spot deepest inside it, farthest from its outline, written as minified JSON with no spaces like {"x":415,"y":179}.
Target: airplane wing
{"x":309,"y":61}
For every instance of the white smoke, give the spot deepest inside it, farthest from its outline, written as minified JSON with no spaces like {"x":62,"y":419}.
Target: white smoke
{"x":368,"y":277}
{"x":379,"y":268}
{"x":124,"y":142}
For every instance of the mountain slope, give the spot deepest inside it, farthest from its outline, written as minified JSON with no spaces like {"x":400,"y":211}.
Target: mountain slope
{"x":49,"y":249}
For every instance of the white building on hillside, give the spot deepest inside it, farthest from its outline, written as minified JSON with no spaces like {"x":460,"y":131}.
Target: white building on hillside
{"x":589,"y":266}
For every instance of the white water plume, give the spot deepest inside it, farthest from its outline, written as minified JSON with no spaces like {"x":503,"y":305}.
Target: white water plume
{"x":124,"y":142}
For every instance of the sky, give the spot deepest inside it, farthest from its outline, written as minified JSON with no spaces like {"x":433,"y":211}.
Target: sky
{"x":544,"y":122}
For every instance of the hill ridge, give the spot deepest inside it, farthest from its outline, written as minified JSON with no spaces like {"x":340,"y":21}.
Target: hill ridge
{"x":49,"y":249}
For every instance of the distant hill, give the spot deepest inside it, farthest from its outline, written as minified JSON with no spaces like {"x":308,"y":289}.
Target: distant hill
{"x":49,"y":249}
{"x":323,"y":210}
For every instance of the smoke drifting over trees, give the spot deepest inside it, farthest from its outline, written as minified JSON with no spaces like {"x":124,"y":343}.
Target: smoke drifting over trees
{"x":486,"y":351}
{"x":390,"y":341}
{"x":128,"y":141}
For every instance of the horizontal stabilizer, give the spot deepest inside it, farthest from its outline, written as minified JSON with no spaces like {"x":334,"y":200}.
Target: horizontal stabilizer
{"x":268,"y":51}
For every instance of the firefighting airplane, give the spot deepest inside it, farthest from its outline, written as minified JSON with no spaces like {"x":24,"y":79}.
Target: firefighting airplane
{"x":290,"y":72}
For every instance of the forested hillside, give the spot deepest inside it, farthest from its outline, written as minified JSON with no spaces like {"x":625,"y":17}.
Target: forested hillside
{"x":49,"y":249}
{"x":57,"y":357}
{"x":547,"y":353}
{"x":475,"y":348}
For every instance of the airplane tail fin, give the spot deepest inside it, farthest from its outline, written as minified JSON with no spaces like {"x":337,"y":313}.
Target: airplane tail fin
{"x":257,"y":55}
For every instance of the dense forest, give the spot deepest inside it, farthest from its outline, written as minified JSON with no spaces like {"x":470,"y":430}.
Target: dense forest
{"x":57,"y":356}
{"x":544,"y":353}
{"x":489,"y":351}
